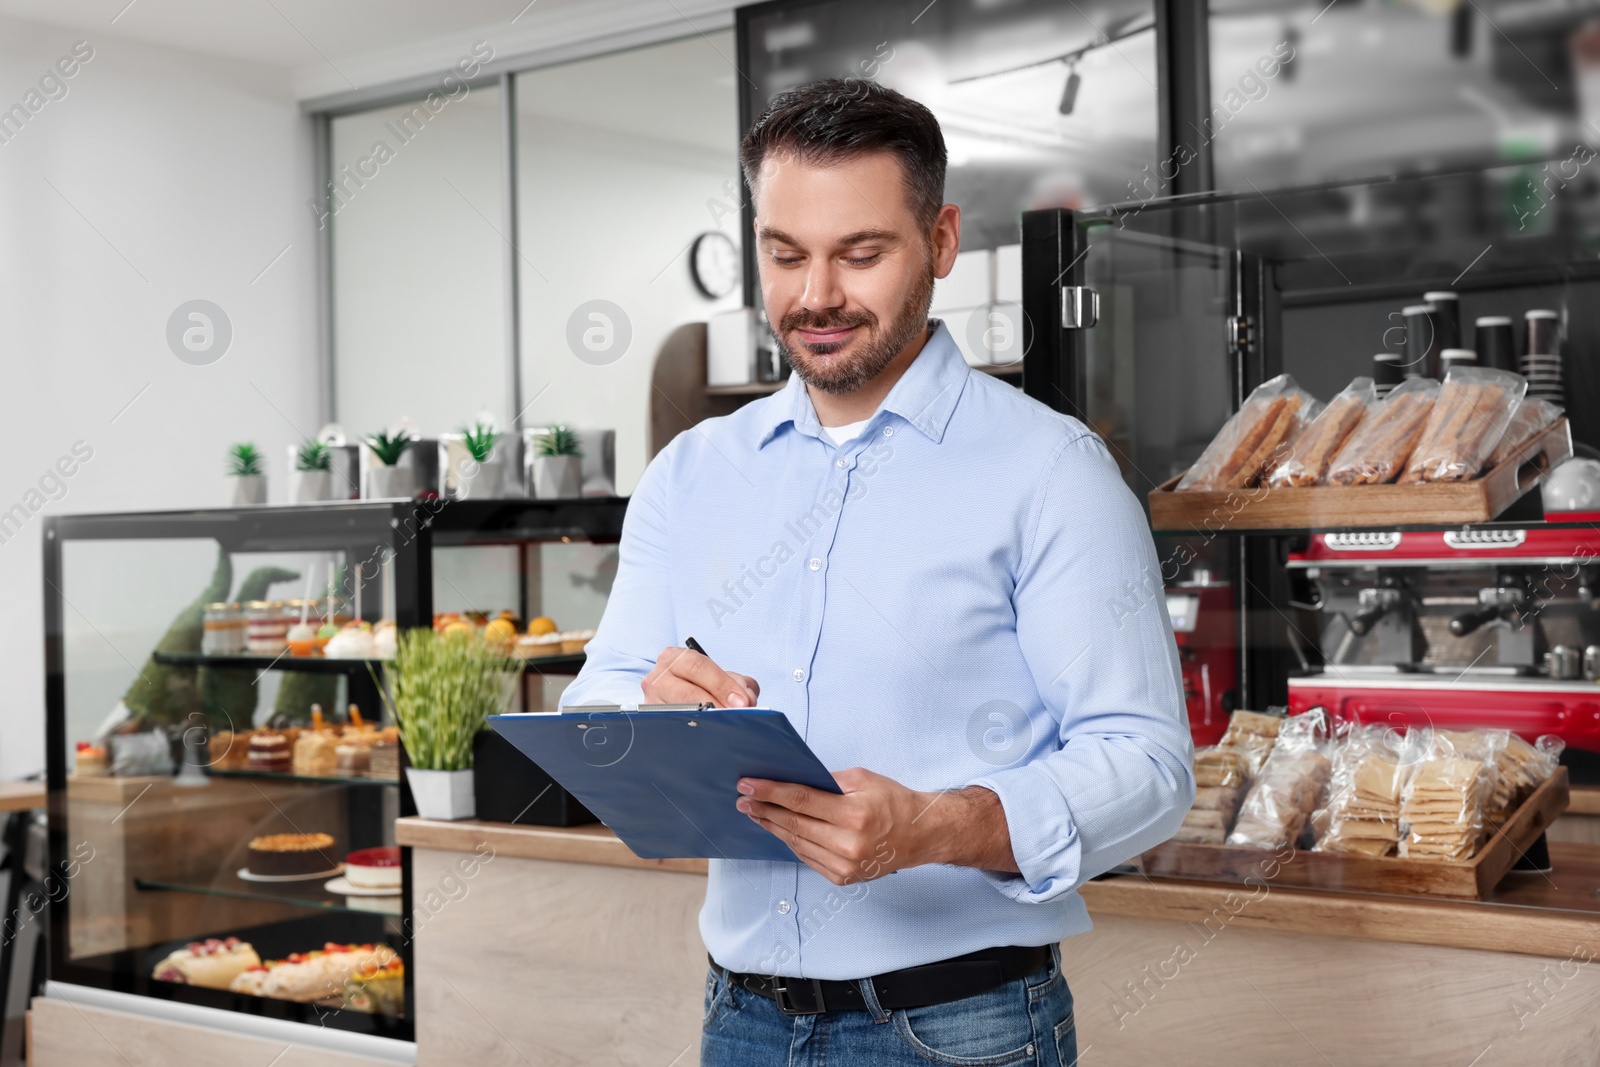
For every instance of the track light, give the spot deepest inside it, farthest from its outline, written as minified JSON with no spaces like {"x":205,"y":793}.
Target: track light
{"x":1069,"y":95}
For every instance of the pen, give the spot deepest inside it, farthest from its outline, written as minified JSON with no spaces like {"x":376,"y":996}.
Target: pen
{"x":694,"y":646}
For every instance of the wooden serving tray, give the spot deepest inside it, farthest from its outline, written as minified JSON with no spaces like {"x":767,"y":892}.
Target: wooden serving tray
{"x":1211,"y":511}
{"x":1471,"y":879}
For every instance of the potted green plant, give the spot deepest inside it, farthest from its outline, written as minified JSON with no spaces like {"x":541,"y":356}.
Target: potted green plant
{"x":384,"y":475}
{"x":311,"y":479}
{"x":480,"y":463}
{"x":557,"y":465}
{"x":445,"y":686}
{"x":249,"y":480}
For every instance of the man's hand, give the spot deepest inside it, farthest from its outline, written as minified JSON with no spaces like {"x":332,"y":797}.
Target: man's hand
{"x":878,"y":825}
{"x":682,"y":676}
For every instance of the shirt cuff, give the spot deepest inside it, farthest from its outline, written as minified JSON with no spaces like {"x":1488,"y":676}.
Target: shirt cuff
{"x":1044,"y":837}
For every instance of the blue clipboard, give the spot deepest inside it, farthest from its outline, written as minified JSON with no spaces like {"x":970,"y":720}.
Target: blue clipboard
{"x":665,"y":779}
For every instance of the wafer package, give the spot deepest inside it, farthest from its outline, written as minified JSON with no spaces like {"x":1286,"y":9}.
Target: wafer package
{"x":1531,"y":416}
{"x":1442,"y":808}
{"x":1379,"y":449}
{"x":1521,"y":768}
{"x":1362,"y":815}
{"x":1251,"y":735}
{"x":1467,"y":421}
{"x":1259,"y":434}
{"x":1313,"y":450}
{"x":1279,"y":805}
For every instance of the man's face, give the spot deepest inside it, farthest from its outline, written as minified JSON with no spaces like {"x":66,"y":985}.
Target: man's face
{"x":847,"y":271}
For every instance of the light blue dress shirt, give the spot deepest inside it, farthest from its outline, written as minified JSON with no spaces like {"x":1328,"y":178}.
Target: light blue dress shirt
{"x":965,"y":593}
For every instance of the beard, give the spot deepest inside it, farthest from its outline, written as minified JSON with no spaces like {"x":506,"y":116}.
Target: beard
{"x":876,"y":351}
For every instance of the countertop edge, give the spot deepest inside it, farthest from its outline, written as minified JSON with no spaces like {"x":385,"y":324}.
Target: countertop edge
{"x":592,"y":844}
{"x":1211,"y":907}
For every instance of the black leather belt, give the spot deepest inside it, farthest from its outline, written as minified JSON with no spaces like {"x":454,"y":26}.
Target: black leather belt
{"x":913,"y":987}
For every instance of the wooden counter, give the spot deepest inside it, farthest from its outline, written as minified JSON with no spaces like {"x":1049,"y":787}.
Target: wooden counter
{"x":21,"y":796}
{"x":558,"y":921}
{"x":1517,"y":918}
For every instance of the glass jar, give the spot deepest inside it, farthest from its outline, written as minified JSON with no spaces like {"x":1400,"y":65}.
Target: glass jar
{"x":266,"y":627}
{"x":223,"y":633}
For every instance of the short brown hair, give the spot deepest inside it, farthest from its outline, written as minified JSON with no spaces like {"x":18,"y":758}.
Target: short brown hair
{"x":843,"y":118}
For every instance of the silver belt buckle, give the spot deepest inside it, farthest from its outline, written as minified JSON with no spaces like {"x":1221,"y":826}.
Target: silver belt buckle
{"x":780,"y":993}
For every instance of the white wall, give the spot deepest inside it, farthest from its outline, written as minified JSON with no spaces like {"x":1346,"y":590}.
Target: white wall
{"x":161,"y":177}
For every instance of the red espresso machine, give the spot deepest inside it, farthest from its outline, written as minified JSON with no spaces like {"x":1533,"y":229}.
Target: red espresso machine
{"x":1476,"y":627}
{"x":1202,"y":613}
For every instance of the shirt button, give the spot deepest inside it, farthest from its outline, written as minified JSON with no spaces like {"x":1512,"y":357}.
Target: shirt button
{"x":799,"y":674}
{"x":815,"y":564}
{"x":840,"y":462}
{"x":783,"y":907}
{"x":888,"y":431}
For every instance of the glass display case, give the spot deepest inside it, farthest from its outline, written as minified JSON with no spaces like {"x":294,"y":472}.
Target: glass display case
{"x":1152,"y":321}
{"x":223,"y":777}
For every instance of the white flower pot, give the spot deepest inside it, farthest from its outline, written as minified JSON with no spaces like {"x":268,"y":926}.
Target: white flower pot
{"x":557,"y":477}
{"x":442,"y":794}
{"x":309,"y":487}
{"x":249,"y":489}
{"x":484,"y":481}
{"x":386,"y":482}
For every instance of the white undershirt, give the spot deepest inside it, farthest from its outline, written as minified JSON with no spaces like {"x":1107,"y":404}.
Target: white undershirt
{"x":840,"y":434}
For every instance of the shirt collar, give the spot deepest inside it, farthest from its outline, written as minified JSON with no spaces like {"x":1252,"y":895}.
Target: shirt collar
{"x":925,"y":396}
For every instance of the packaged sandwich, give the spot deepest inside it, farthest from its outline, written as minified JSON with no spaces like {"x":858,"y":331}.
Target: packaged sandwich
{"x":1276,"y":810}
{"x":1378,"y":450}
{"x":1255,"y":438}
{"x":1313,"y":450}
{"x":1531,"y":416}
{"x":1467,"y":421}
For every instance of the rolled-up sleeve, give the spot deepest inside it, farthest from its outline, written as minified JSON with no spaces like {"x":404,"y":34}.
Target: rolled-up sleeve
{"x":638,"y":621}
{"x":1118,"y":774}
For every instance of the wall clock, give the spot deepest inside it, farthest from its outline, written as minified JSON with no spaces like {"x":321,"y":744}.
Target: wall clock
{"x":714,"y":264}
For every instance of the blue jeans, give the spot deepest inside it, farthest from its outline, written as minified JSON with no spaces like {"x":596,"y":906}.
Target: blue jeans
{"x":1027,"y":1023}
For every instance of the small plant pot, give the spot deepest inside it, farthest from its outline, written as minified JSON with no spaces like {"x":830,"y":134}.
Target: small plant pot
{"x":493,"y":479}
{"x":249,"y":489}
{"x":310,"y":487}
{"x":387,"y":482}
{"x":557,"y":477}
{"x":442,"y":794}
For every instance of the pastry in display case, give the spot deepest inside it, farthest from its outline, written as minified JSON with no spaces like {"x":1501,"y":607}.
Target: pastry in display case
{"x":241,"y":824}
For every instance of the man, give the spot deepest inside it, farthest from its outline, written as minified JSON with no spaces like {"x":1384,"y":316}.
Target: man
{"x":952,"y":595}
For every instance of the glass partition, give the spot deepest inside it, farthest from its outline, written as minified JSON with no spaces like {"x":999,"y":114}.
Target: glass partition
{"x":627,"y":178}
{"x":418,"y":290}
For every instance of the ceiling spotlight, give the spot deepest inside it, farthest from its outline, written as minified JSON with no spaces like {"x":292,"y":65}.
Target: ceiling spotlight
{"x":1069,"y":95}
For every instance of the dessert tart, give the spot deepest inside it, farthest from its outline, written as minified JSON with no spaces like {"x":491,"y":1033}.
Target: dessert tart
{"x":536,"y":646}
{"x":572,"y":641}
{"x":287,"y":855}
{"x":211,"y":963}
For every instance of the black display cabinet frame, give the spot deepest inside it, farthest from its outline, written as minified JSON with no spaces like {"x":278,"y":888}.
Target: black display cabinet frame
{"x":403,"y":534}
